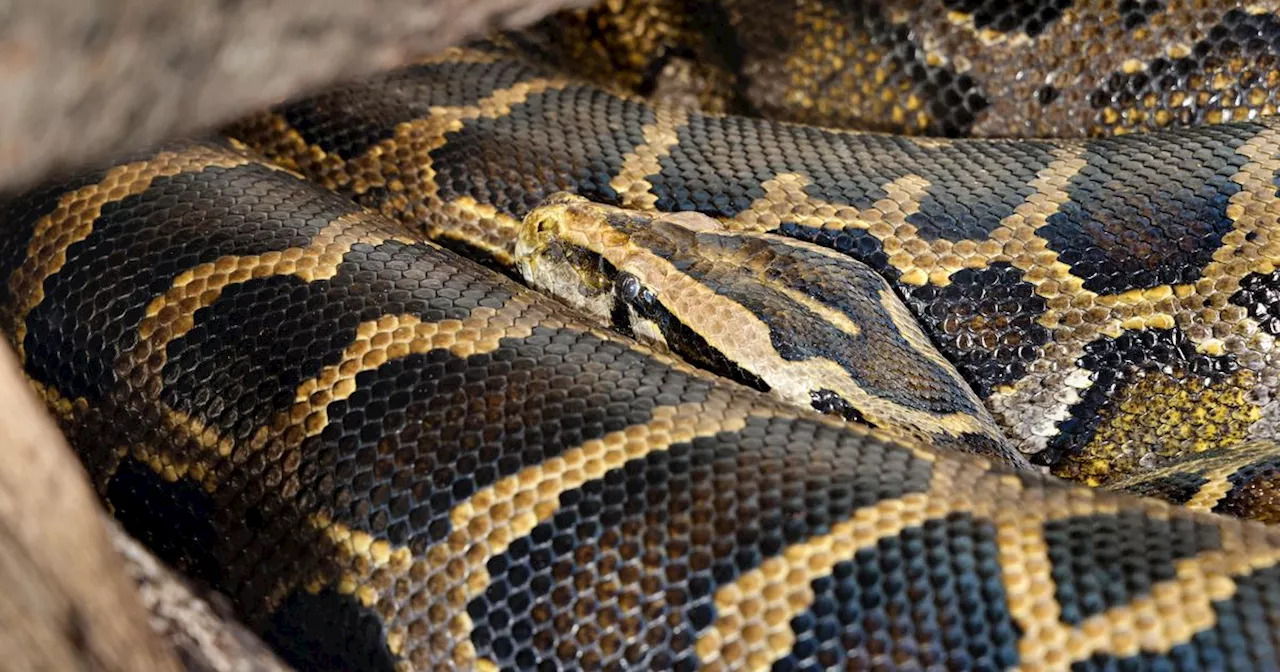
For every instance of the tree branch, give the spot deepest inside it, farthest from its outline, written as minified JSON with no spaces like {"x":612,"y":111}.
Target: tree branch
{"x":83,"y":79}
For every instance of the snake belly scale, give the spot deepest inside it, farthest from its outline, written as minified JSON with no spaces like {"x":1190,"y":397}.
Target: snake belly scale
{"x":391,"y":458}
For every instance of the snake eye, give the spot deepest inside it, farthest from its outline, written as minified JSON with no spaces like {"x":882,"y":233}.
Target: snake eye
{"x":628,"y":287}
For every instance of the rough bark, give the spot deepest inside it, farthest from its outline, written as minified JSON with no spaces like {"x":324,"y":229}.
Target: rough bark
{"x":204,"y":631}
{"x":66,"y":602}
{"x":82,"y":79}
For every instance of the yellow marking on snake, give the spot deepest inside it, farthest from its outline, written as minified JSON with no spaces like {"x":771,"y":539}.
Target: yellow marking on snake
{"x":631,"y":182}
{"x":487,"y":522}
{"x":742,"y":336}
{"x":388,"y":338}
{"x":1016,"y":242}
{"x":185,"y":431}
{"x":903,"y":321}
{"x":1142,"y":623}
{"x":413,"y":196}
{"x":708,"y":226}
{"x":1215,"y":469}
{"x":73,"y":218}
{"x":66,"y":410}
{"x":754,"y":613}
{"x":172,"y":314}
{"x":752,"y":629}
{"x":1253,"y":244}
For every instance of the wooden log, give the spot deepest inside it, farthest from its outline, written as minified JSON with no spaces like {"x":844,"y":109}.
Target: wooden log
{"x":83,"y":79}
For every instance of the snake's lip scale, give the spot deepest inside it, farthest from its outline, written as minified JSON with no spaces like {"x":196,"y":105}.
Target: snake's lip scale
{"x":390,"y":457}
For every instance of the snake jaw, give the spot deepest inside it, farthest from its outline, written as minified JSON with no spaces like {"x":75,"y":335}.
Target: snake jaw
{"x":548,"y":262}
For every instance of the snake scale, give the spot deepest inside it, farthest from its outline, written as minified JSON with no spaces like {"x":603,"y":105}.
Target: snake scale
{"x":391,"y":457}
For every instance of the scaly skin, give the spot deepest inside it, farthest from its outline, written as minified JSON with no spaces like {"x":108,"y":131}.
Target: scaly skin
{"x":394,"y":459}
{"x":1114,"y":302}
{"x":391,"y":458}
{"x":819,"y":329}
{"x":982,"y":68}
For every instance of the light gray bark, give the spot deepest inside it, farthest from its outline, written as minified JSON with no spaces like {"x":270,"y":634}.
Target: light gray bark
{"x":82,"y":79}
{"x":65,"y":600}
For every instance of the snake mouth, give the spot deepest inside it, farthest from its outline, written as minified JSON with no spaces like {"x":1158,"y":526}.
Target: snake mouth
{"x":577,"y":276}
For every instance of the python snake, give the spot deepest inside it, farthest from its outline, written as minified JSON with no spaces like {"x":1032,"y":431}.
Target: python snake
{"x":390,"y":457}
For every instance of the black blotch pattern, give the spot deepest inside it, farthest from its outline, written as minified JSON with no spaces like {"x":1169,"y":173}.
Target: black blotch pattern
{"x":932,"y":593}
{"x":754,"y":272}
{"x":1027,"y":16}
{"x":984,"y":322}
{"x":721,"y":163}
{"x":328,"y":632}
{"x":20,"y":213}
{"x":712,"y":23}
{"x":1242,"y":638}
{"x":248,"y":352}
{"x":826,"y":401}
{"x":1254,"y":488}
{"x":1136,"y":13}
{"x":139,"y":244}
{"x":1046,"y":94}
{"x":625,"y":572}
{"x":350,"y":119}
{"x":979,"y":444}
{"x":1151,"y":232}
{"x":1102,"y":561}
{"x":1259,"y":294}
{"x":186,"y":536}
{"x":568,"y":140}
{"x":1184,"y":87}
{"x":856,"y":243}
{"x":953,"y":100}
{"x":1176,"y":488}
{"x":422,"y":433}
{"x":1115,"y":363}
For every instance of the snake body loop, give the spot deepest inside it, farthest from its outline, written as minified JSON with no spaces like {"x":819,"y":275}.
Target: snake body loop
{"x":284,"y":380}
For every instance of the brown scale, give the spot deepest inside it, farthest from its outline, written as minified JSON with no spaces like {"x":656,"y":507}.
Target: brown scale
{"x":1241,"y":481}
{"x":403,"y":461}
{"x":952,"y":67}
{"x":396,"y":460}
{"x":816,"y":328}
{"x":1022,"y":259}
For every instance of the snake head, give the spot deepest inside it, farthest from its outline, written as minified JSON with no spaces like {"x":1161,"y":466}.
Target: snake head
{"x":597,"y":258}
{"x":553,"y":255}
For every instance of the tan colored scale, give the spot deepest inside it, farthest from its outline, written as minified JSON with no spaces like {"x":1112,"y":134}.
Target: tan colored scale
{"x":827,"y":63}
{"x":431,"y":625}
{"x":414,"y":198}
{"x":731,"y":328}
{"x":831,"y":70}
{"x":1075,"y":315}
{"x":1027,"y":410}
{"x":1161,"y":417}
{"x":754,"y":613}
{"x":72,"y":221}
{"x":660,"y":137}
{"x":1216,"y":469}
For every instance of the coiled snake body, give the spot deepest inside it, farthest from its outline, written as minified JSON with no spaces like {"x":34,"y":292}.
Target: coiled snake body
{"x":393,"y":458}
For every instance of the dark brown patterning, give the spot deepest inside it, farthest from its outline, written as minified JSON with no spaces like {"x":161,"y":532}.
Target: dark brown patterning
{"x":393,"y":459}
{"x":1106,"y":298}
{"x":1027,"y":68}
